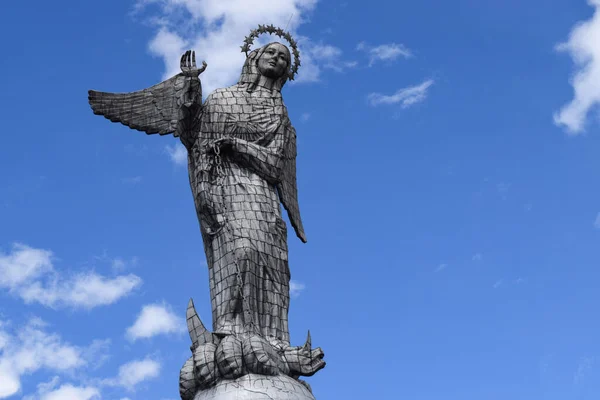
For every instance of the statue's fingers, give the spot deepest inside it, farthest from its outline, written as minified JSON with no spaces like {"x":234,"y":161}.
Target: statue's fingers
{"x":189,"y":58}
{"x":182,"y":62}
{"x":194,"y":59}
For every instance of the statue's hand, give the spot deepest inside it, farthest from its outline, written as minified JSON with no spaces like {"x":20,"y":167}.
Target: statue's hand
{"x":223,"y":144}
{"x":188,"y":64}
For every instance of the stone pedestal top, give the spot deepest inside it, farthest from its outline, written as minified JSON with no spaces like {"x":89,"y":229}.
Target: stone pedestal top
{"x":257,"y":387}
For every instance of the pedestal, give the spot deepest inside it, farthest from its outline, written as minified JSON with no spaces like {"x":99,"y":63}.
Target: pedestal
{"x":257,"y":387}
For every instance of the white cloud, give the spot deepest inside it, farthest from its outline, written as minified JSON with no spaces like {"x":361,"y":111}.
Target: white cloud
{"x":329,"y":57}
{"x":384,"y":52}
{"x":29,"y":273}
{"x":70,"y":392}
{"x":215,"y":29}
{"x":97,"y":353}
{"x":177,"y":153}
{"x":10,"y":383}
{"x":23,"y":264}
{"x":296,"y":288}
{"x":583,"y":46}
{"x":155,"y":319}
{"x":85,"y":290}
{"x":51,"y":391}
{"x":597,"y":221}
{"x":477,"y":257}
{"x":583,"y":369}
{"x":30,"y":349}
{"x":406,"y":96}
{"x":498,"y":283}
{"x":134,"y":180}
{"x":441,"y":267}
{"x":44,"y":387}
{"x":120,"y":264}
{"x":134,"y":373}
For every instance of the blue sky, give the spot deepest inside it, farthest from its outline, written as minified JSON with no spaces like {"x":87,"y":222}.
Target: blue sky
{"x":447,"y":170}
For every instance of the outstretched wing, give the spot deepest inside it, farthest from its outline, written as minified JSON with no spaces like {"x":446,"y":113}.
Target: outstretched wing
{"x":288,"y":191}
{"x":152,"y":110}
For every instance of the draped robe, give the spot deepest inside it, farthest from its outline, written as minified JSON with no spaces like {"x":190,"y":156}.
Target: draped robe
{"x":244,"y":235}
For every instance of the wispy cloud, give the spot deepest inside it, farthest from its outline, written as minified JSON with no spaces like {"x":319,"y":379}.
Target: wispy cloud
{"x":84,"y":290}
{"x":29,"y":273}
{"x":32,"y":348}
{"x":120,"y":264}
{"x":545,"y":362}
{"x":132,"y":180}
{"x":216,"y":30}
{"x":330,"y":57}
{"x":177,"y":153}
{"x":155,"y":319}
{"x":503,"y":282}
{"x":477,"y":257}
{"x":296,"y":288}
{"x":583,"y":368}
{"x":51,"y":391}
{"x":441,"y":267}
{"x":384,"y":52}
{"x":70,"y":392}
{"x":584,"y":48}
{"x":406,"y":97}
{"x":135,"y":372}
{"x":597,"y":221}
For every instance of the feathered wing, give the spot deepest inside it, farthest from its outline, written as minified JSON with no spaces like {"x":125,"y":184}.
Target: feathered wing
{"x":288,"y":191}
{"x":152,"y":110}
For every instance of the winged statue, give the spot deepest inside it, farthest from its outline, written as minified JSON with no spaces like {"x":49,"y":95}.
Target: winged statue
{"x":241,"y":150}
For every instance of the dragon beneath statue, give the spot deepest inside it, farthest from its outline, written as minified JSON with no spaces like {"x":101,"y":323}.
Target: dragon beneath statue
{"x":217,"y":358}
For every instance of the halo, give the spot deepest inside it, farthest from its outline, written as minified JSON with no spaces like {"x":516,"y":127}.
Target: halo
{"x":270,"y":29}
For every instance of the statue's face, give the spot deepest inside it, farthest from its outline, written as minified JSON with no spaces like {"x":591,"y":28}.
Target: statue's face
{"x":273,"y":63}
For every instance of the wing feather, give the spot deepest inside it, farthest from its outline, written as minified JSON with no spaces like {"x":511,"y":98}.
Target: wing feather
{"x":152,"y":110}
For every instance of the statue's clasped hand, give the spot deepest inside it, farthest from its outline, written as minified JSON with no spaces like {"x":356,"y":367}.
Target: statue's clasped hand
{"x":188,"y":64}
{"x":223,"y":144}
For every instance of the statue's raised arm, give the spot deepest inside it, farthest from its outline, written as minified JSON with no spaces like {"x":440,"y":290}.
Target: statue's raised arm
{"x":168,"y":107}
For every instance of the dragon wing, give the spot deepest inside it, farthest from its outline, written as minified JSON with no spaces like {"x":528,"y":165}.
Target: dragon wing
{"x":288,"y":191}
{"x":152,"y":110}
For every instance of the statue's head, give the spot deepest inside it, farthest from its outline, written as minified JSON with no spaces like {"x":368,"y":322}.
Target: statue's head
{"x":274,"y":61}
{"x":271,"y":62}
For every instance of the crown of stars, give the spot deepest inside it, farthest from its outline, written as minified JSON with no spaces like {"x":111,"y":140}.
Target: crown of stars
{"x":271,"y":29}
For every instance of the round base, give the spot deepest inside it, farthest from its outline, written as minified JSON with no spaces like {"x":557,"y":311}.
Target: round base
{"x":257,"y":387}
